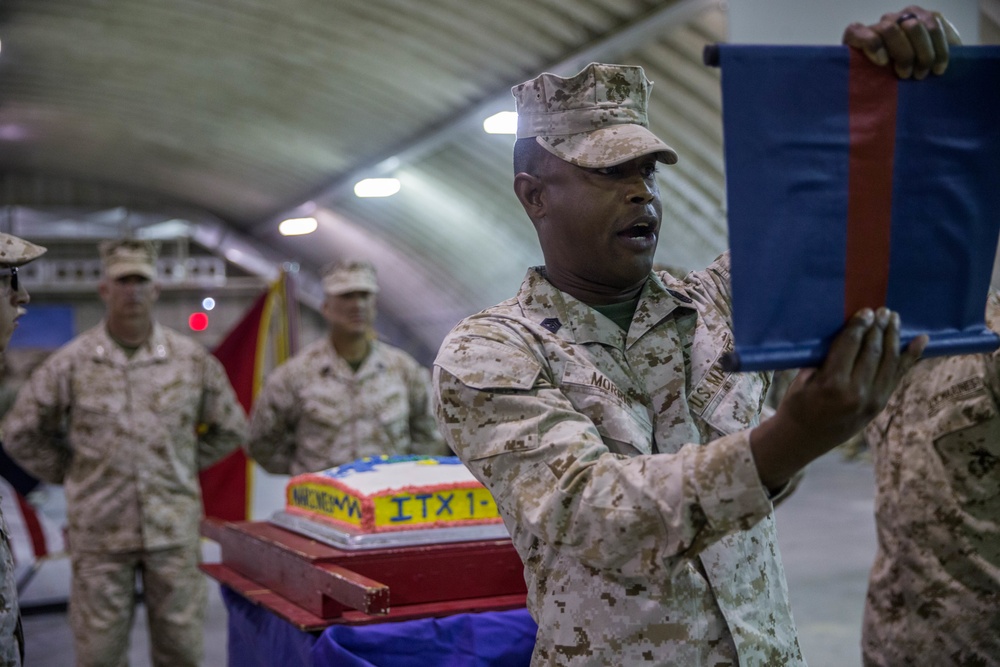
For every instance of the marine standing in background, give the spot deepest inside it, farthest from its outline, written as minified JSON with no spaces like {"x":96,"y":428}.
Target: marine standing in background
{"x":345,"y":396}
{"x":125,"y":416}
{"x":934,"y":589}
{"x":631,"y":470}
{"x":14,"y":252}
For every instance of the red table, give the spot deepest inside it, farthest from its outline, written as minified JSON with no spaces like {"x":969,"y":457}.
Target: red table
{"x":313,"y":585}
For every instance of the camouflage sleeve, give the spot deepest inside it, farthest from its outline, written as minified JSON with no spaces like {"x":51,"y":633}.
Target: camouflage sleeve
{"x":424,"y":433}
{"x":993,"y":322}
{"x":34,"y":430}
{"x":223,"y":423}
{"x":12,"y":644}
{"x":550,"y":472}
{"x":273,"y":422}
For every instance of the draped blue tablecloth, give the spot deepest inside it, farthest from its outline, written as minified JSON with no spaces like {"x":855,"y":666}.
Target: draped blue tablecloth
{"x":258,"y":638}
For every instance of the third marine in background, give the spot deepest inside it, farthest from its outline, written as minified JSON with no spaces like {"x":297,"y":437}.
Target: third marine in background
{"x":345,"y":396}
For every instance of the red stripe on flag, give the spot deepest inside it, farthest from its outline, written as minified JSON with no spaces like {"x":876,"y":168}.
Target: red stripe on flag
{"x":34,"y":527}
{"x":872,"y":104}
{"x":224,"y":488}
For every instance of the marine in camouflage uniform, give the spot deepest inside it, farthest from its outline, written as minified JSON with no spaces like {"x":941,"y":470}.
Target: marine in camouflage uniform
{"x":126,"y":426}
{"x":315,"y":412}
{"x":629,"y":558}
{"x":629,"y":468}
{"x":14,"y":252}
{"x":319,"y":410}
{"x":934,"y":590}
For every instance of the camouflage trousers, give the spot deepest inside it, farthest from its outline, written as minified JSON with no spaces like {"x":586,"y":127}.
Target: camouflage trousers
{"x":102,"y":605}
{"x":11,"y":636}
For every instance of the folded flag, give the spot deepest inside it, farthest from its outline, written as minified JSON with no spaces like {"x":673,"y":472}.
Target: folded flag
{"x":850,"y":188}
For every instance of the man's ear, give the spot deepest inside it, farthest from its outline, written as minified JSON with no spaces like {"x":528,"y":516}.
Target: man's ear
{"x":528,"y":189}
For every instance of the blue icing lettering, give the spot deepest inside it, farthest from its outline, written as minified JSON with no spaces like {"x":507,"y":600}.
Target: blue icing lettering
{"x":423,"y":497}
{"x":325,"y":502}
{"x":445,"y":501}
{"x":400,"y":515}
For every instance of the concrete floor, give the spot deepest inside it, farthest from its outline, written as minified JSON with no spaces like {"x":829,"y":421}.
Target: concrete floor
{"x":827,"y":538}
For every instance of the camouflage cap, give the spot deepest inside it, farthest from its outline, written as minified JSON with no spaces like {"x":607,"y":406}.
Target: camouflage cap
{"x":596,"y":118}
{"x":349,"y":276}
{"x":15,"y":251}
{"x":129,"y":257}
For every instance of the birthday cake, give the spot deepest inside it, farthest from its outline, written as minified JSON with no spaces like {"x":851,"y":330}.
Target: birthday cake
{"x":392,"y":493}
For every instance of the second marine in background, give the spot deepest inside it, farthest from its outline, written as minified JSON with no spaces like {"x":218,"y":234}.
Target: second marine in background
{"x":345,"y":396}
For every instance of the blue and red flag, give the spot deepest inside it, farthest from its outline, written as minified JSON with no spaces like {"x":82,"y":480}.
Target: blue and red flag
{"x":849,"y":188}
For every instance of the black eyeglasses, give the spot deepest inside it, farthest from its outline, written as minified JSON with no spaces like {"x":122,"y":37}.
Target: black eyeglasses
{"x":14,"y":285}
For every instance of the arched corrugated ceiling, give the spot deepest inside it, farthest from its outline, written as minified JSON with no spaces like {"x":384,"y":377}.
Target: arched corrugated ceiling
{"x":230,"y":115}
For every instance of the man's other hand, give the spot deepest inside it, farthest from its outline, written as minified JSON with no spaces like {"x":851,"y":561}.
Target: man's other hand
{"x":915,"y":41}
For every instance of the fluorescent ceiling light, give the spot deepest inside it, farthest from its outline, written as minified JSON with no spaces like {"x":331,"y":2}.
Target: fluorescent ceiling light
{"x":376,"y":187}
{"x":297,"y":226}
{"x":504,"y":122}
{"x":13,"y":132}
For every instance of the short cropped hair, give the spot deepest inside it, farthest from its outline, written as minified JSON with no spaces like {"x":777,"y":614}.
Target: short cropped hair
{"x":527,"y":156}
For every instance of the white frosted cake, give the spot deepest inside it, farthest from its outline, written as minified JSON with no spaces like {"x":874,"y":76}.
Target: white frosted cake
{"x":392,"y":493}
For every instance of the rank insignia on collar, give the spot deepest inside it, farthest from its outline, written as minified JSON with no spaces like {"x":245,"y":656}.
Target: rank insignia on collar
{"x":679,"y":296}
{"x":552,"y":324}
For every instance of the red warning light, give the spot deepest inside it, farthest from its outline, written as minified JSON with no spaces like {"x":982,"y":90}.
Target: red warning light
{"x":198,"y":321}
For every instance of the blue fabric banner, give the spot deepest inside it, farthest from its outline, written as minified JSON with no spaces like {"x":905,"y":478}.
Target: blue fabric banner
{"x":258,"y":638}
{"x":486,"y":639}
{"x":850,"y":188}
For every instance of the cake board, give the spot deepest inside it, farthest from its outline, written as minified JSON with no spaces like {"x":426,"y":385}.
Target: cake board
{"x":349,"y":540}
{"x":313,"y":584}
